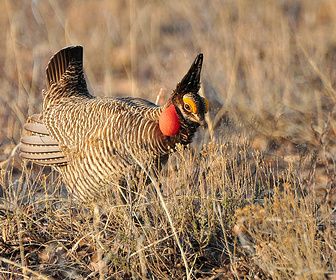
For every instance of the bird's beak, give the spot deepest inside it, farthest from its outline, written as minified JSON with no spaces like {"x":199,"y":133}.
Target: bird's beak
{"x":202,"y":122}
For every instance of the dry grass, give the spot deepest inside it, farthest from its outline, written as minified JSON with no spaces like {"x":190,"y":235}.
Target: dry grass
{"x":253,"y":197}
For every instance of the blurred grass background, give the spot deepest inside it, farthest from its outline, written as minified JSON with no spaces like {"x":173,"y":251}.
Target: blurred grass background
{"x":269,"y":73}
{"x":271,"y":61}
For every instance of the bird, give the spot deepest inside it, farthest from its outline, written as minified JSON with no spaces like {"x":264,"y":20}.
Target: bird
{"x":95,"y":142}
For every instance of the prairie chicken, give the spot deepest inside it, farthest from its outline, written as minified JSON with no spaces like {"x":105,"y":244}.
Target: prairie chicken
{"x":95,"y":142}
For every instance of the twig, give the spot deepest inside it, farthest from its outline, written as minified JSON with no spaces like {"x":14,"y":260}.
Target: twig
{"x":39,"y":275}
{"x":164,"y":206}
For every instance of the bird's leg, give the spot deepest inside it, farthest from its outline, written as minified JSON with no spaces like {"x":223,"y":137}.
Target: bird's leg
{"x":122,"y":187}
{"x":128,"y":195}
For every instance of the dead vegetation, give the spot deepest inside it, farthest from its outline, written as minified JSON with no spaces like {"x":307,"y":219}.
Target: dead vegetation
{"x":253,"y":197}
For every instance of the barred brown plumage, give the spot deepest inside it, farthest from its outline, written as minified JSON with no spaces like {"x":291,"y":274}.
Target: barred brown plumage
{"x":92,"y":141}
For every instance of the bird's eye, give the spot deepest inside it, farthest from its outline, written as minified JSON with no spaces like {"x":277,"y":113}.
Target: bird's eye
{"x":187,"y":107}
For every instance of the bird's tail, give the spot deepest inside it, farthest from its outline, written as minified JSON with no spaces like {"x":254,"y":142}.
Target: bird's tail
{"x":38,"y":146}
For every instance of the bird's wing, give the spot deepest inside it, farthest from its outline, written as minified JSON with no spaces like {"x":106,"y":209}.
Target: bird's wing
{"x":139,"y":106}
{"x":105,"y":127}
{"x":137,"y":102}
{"x":38,"y":146}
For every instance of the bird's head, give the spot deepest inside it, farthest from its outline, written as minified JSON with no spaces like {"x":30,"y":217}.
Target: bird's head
{"x":191,"y":108}
{"x":185,"y":105}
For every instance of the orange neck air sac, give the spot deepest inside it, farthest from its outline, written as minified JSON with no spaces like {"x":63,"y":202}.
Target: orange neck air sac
{"x":169,"y":122}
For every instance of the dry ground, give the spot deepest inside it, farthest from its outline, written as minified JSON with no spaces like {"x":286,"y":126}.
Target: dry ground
{"x":253,"y":197}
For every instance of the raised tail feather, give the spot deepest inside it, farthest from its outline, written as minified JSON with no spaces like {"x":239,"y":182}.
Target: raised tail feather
{"x":191,"y":81}
{"x":60,"y":62}
{"x":65,"y":76}
{"x":38,"y":146}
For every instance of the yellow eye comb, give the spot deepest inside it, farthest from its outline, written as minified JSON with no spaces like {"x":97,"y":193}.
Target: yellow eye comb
{"x":189,"y":104}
